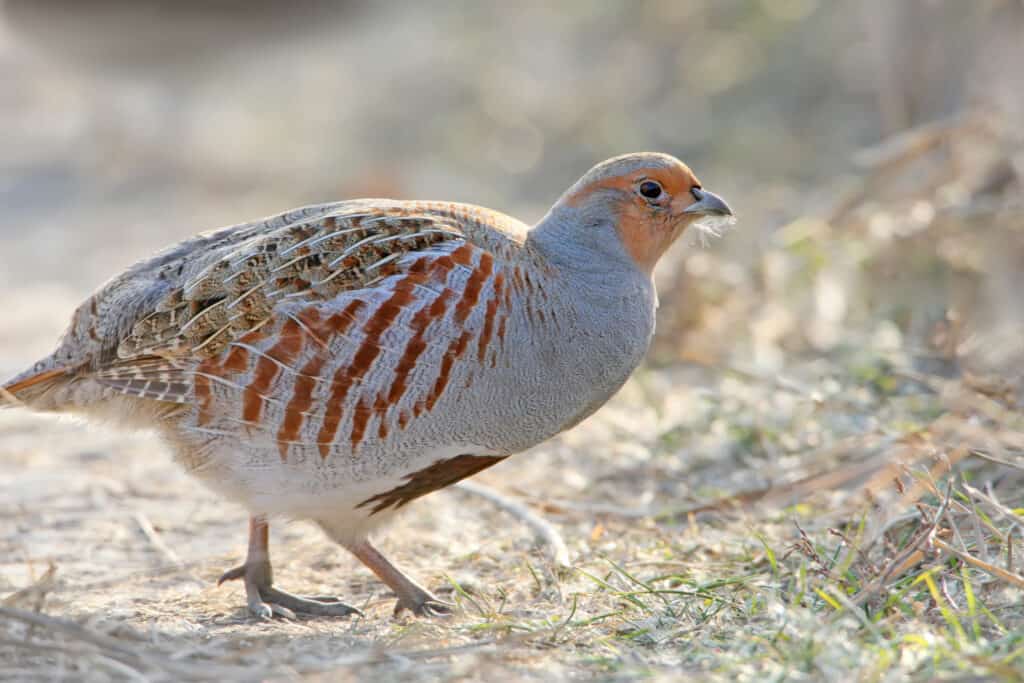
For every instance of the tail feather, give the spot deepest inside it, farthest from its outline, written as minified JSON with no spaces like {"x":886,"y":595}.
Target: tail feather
{"x":27,"y":387}
{"x":7,"y":399}
{"x":153,"y":377}
{"x":49,"y":386}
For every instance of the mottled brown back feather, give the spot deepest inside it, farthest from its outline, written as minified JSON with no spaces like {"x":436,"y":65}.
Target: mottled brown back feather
{"x":240,"y":290}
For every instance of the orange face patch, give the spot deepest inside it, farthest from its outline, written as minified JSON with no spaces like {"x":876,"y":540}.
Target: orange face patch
{"x":647,"y":227}
{"x":645,"y":236}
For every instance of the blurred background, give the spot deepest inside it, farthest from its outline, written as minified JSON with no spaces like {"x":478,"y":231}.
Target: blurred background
{"x":872,"y":149}
{"x":850,"y":349}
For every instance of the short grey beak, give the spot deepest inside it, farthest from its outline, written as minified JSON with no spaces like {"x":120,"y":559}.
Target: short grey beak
{"x":708,"y":203}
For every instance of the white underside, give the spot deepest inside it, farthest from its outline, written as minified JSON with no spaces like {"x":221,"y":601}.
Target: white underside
{"x":316,"y":491}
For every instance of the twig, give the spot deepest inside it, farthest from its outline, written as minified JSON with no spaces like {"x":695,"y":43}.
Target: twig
{"x":109,"y":647}
{"x":991,"y":458}
{"x":154,"y":539}
{"x":543,"y":529}
{"x":38,"y":589}
{"x":992,"y":569}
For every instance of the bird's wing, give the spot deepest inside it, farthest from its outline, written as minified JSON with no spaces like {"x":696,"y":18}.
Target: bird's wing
{"x":260,"y":279}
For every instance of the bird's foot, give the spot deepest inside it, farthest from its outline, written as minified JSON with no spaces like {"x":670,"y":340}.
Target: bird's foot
{"x":411,"y":596}
{"x":265,"y":602}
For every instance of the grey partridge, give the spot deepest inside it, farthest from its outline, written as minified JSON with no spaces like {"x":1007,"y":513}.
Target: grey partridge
{"x":335,"y":362}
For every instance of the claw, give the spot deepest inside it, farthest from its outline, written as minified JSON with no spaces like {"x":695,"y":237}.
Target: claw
{"x":428,"y":606}
{"x":232,"y":574}
{"x":436,"y":609}
{"x":261,"y":610}
{"x":282,"y":611}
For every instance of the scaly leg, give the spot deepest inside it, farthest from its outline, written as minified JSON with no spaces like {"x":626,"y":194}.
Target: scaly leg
{"x":411,"y":596}
{"x":263,"y":599}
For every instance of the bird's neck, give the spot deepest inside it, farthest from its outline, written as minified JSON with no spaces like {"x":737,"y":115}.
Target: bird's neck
{"x":587,"y":245}
{"x":607,"y":305}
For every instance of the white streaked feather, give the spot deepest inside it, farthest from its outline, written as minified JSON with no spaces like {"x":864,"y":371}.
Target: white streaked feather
{"x":317,"y":239}
{"x":351,"y":249}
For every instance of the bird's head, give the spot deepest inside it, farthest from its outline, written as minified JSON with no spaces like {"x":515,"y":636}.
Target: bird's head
{"x":648,"y":200}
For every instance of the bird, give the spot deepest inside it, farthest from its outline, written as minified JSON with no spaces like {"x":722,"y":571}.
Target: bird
{"x":337,"y":361}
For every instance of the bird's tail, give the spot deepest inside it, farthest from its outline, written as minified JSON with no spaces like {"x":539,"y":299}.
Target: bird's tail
{"x":28,"y":388}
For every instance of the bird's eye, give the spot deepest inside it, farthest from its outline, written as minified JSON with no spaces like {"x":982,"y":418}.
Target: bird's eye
{"x":650,"y":189}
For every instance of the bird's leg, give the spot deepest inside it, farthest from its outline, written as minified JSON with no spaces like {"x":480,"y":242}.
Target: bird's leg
{"x":411,"y":596}
{"x":263,"y":599}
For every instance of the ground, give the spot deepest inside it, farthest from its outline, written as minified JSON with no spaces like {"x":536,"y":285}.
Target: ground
{"x":828,"y":566}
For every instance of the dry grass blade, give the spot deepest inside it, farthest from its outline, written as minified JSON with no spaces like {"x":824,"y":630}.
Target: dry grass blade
{"x":911,"y":555}
{"x":998,"y":572}
{"x":993,"y":503}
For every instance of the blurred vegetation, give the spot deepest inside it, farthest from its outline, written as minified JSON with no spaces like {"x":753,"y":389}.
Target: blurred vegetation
{"x":147,"y":121}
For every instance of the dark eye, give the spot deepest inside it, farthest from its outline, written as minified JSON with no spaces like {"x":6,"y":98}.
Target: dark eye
{"x":650,"y":189}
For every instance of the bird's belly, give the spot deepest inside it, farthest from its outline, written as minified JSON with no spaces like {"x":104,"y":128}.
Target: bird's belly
{"x":357,"y":489}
